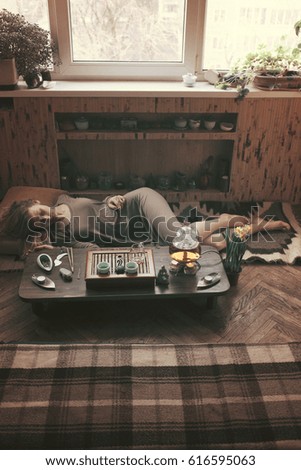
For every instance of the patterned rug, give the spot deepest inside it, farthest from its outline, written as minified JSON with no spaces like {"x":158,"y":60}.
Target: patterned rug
{"x":282,"y":247}
{"x":150,"y":396}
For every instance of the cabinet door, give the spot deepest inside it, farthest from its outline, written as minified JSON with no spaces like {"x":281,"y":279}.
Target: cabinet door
{"x":267,"y":162}
{"x":28,"y":144}
{"x":7,"y":151}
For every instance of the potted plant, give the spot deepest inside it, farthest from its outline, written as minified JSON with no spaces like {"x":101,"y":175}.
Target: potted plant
{"x":277,"y":69}
{"x":30,"y":46}
{"x":235,"y":249}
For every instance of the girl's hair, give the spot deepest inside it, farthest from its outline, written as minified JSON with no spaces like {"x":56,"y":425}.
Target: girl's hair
{"x":16,"y":223}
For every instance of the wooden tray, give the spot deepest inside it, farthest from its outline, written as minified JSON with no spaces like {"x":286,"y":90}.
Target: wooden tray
{"x":146,"y":268}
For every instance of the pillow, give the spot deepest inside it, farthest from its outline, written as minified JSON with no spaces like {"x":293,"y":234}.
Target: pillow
{"x":47,"y":196}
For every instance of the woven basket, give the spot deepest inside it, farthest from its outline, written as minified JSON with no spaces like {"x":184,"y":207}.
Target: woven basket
{"x":277,"y":83}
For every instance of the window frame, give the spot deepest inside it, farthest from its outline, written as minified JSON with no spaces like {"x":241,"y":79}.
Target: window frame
{"x":68,"y":70}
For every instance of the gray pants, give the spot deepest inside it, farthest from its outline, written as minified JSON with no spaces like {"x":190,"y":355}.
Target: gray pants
{"x":149,"y":217}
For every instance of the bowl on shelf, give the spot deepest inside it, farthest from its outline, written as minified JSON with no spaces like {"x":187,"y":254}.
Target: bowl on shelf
{"x":209,"y":125}
{"x":180,"y":123}
{"x":226,"y":126}
{"x":194,"y":124}
{"x":81,"y":123}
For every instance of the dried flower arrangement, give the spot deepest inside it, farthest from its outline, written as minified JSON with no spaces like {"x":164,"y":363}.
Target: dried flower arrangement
{"x":30,"y":45}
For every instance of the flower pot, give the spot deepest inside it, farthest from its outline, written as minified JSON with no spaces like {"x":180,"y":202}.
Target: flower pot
{"x":274,"y":83}
{"x":233,"y":277}
{"x":8,"y":74}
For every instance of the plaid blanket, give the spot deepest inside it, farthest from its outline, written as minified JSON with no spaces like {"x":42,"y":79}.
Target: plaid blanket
{"x":150,"y":396}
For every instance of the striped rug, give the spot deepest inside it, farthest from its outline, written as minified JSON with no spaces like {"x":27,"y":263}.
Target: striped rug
{"x":150,"y":396}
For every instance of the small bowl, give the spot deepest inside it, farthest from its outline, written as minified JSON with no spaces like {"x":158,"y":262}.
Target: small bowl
{"x":226,"y":126}
{"x":180,"y":122}
{"x":209,"y":125}
{"x":103,"y":268}
{"x":131,"y":267}
{"x":81,"y":124}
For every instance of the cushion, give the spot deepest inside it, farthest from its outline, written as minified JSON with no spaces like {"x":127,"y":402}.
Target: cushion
{"x":47,"y":196}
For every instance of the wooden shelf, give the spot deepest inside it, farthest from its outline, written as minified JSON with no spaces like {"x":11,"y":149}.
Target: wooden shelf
{"x":162,"y":148}
{"x":146,"y":135}
{"x":170,"y":195}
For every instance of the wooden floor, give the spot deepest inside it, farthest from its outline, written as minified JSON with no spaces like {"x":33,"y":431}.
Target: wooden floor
{"x":265,"y":307}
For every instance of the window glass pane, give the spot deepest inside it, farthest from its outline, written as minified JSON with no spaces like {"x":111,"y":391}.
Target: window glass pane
{"x":235,"y":28}
{"x":128,"y":31}
{"x":34,"y":11}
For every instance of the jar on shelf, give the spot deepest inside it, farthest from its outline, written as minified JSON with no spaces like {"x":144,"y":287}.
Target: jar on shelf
{"x":224,"y":184}
{"x":104,"y":180}
{"x":180,"y":181}
{"x":163,"y":182}
{"x":82,"y":182}
{"x":65,"y":182}
{"x":136,"y":181}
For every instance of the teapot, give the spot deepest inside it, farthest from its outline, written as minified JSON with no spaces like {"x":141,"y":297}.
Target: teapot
{"x":189,"y":79}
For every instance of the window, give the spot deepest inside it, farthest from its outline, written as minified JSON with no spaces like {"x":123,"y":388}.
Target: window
{"x":157,"y":39}
{"x":128,"y":31}
{"x":245,"y":26}
{"x":132,"y":39}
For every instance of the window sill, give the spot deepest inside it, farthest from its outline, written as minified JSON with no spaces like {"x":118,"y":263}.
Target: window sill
{"x":141,"y":89}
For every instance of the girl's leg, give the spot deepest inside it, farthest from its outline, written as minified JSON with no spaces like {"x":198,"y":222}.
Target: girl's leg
{"x":217,"y":239}
{"x":149,"y":207}
{"x":160,"y":222}
{"x":209,"y":230}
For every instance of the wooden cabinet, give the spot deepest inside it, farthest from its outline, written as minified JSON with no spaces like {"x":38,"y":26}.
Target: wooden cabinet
{"x":147,"y":148}
{"x":262,"y":154}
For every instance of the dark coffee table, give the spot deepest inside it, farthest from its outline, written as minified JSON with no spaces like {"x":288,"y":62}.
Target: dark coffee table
{"x":179,"y":285}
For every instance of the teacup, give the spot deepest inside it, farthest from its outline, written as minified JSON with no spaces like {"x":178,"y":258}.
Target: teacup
{"x":103,"y":268}
{"x":131,"y":267}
